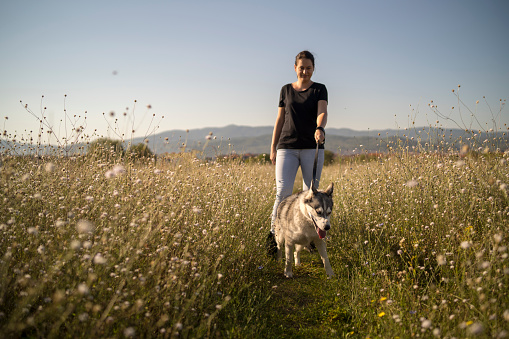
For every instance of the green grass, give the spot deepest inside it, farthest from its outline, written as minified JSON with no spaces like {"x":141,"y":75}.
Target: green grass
{"x":175,"y":248}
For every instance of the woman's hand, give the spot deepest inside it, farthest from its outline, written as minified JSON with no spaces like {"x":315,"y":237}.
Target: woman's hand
{"x":319,"y":136}
{"x":273,"y":154}
{"x":278,"y":126}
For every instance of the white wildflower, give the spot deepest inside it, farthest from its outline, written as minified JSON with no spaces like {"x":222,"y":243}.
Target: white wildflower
{"x":129,"y":332}
{"x":475,"y":329}
{"x":50,"y":167}
{"x":99,"y":259}
{"x":75,"y":245}
{"x":441,"y":260}
{"x":464,"y":150}
{"x":485,"y":264}
{"x":84,"y":226}
{"x":506,"y":315}
{"x":412,"y":183}
{"x":426,"y":323}
{"x":118,"y":169}
{"x":83,"y":289}
{"x":83,"y":317}
{"x":60,"y":223}
{"x":465,"y":244}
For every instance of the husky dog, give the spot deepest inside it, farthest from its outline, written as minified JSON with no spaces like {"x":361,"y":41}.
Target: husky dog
{"x":303,"y":218}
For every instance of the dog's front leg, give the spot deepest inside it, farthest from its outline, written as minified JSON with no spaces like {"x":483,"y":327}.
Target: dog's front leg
{"x":322,"y":250}
{"x":289,"y":260}
{"x":298,"y":248}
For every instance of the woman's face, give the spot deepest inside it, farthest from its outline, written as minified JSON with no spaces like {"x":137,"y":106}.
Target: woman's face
{"x":304,"y":69}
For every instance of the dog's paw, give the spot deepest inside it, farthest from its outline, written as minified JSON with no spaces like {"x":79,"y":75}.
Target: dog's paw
{"x":330,"y":275}
{"x":289,"y":274}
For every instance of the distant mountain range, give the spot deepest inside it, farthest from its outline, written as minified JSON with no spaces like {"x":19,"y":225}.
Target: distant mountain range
{"x":257,"y":140}
{"x":215,"y":141}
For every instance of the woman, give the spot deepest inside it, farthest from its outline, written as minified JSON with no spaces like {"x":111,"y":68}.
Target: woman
{"x":300,"y":123}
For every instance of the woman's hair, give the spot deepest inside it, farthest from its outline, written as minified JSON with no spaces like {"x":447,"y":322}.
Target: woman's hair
{"x":305,"y":55}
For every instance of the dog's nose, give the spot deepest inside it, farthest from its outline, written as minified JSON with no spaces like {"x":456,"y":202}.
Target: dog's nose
{"x":327,"y":227}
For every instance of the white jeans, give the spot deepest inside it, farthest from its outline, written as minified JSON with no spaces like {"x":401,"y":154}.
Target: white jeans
{"x":287,"y":164}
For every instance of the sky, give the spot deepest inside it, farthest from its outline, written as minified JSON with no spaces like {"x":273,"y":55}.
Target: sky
{"x":200,"y":64}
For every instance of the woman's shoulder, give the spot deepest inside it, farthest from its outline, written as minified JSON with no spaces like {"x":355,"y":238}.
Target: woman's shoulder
{"x":318,"y":85}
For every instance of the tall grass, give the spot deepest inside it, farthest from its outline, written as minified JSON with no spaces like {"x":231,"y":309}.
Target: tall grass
{"x":175,"y":247}
{"x":423,"y":240}
{"x":152,"y":249}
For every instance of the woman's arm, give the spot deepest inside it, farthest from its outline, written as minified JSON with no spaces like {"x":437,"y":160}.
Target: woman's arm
{"x":278,"y":126}
{"x":321,"y":121}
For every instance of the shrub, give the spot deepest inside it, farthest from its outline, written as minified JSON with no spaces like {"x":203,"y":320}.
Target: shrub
{"x":328,"y":157}
{"x":106,"y":148}
{"x":139,"y":151}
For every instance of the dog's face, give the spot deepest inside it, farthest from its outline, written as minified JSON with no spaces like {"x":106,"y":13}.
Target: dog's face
{"x":319,"y":208}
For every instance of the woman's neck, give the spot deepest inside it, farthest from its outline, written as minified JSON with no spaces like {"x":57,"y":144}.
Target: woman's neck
{"x":302,"y":84}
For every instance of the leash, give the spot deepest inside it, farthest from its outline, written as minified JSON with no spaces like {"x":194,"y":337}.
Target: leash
{"x":316,"y":161}
{"x":315,"y":165}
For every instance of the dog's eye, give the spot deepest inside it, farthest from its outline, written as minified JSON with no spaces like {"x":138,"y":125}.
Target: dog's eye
{"x":319,"y":211}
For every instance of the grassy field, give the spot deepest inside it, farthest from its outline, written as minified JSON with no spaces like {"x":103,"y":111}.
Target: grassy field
{"x":175,"y":248}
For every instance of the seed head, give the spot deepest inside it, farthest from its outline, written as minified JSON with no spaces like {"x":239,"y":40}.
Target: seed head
{"x":83,"y":289}
{"x":49,"y":167}
{"x":465,"y":244}
{"x":129,"y":332}
{"x":85,"y":226}
{"x":426,"y":323}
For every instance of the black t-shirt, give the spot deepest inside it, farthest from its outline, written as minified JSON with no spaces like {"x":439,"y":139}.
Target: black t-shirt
{"x":301,"y":110}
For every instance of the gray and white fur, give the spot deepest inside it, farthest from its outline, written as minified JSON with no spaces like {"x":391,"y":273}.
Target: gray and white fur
{"x":303,"y":218}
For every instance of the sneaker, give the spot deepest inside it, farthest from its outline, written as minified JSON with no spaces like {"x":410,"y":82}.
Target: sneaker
{"x":271,"y":245}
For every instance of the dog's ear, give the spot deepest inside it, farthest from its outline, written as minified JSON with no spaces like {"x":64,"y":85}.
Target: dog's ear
{"x":313,"y":188}
{"x":330,"y":189}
